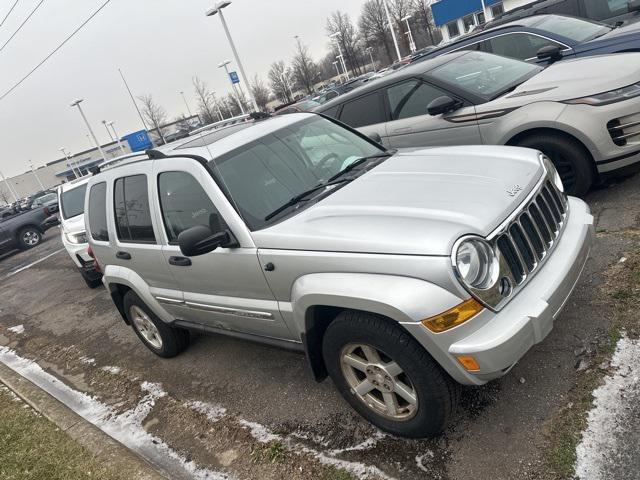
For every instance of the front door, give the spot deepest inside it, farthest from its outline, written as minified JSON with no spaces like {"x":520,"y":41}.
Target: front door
{"x":226,"y":288}
{"x":412,"y":127}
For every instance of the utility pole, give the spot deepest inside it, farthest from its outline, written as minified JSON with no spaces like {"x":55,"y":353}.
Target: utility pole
{"x":93,"y":135}
{"x":393,"y":32}
{"x":134,"y":101}
{"x":117,"y":137}
{"x":35,"y":175}
{"x":104,"y":122}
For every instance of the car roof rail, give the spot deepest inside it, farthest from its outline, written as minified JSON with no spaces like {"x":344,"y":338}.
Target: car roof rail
{"x":117,"y":161}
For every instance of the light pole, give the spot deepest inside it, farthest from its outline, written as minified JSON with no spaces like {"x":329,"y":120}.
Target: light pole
{"x":393,"y":32}
{"x":340,"y":56}
{"x":215,"y":101}
{"x":77,"y":104}
{"x":218,"y":10}
{"x":412,"y":44}
{"x":104,"y":122}
{"x":335,"y":64}
{"x":186,"y":104}
{"x":233,"y":85}
{"x":133,"y":100}
{"x":373,"y":65}
{"x":15,"y":197}
{"x":76,"y":174}
{"x":117,"y":137}
{"x":35,"y":175}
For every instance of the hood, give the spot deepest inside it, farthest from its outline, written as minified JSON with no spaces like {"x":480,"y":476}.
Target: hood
{"x":414,"y":203}
{"x":73,"y":224}
{"x":575,"y":78}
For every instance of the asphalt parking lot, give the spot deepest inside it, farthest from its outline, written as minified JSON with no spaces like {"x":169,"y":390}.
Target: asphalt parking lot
{"x":503,"y":430}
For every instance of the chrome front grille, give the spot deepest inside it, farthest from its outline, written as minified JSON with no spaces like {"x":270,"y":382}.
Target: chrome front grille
{"x":528,"y":239}
{"x":625,"y":130}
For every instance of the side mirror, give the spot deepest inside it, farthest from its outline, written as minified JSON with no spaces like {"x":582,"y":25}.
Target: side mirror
{"x":375,"y":136}
{"x":199,"y":240}
{"x":549,"y":52}
{"x":443,"y":104}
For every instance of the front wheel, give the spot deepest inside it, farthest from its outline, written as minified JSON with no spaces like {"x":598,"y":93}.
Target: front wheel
{"x":162,"y":339}
{"x":573,"y":162}
{"x":29,"y":237}
{"x":387,"y":376}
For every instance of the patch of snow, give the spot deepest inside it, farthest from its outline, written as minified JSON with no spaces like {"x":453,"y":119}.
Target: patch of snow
{"x":11,"y":393}
{"x":211,"y":411}
{"x":125,"y":427}
{"x":259,"y":432}
{"x":87,"y":360}
{"x":421,"y":458}
{"x":19,"y":329}
{"x":111,"y":370}
{"x":606,"y":420}
{"x":367,"y":444}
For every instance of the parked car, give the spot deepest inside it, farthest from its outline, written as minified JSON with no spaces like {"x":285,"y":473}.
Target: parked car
{"x":586,"y":122}
{"x":302,"y":106}
{"x":400,"y":274}
{"x":24,"y":230}
{"x":544,"y":38}
{"x":48,"y":201}
{"x":74,"y":236}
{"x":606,"y":11}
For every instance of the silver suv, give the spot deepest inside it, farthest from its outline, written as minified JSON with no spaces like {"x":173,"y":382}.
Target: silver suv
{"x":400,"y":274}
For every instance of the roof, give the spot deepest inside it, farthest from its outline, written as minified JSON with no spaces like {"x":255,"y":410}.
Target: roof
{"x":410,"y":71}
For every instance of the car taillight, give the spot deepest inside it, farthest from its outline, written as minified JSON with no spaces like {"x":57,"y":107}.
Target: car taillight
{"x":96,"y":265}
{"x":46,"y":211}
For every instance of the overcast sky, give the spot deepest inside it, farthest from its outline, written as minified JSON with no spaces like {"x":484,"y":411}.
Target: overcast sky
{"x":159,"y":44}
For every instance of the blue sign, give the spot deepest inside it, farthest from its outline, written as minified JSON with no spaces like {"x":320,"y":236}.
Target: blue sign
{"x":445,"y":11}
{"x":234,"y":77}
{"x":138,"y":141}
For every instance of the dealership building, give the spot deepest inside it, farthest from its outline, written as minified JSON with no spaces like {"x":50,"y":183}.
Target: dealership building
{"x":457,"y":17}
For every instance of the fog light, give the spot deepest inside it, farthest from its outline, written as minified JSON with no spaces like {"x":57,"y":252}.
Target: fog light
{"x":469,"y":363}
{"x":454,"y":316}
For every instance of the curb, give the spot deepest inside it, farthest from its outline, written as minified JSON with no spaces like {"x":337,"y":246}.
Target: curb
{"x":107,"y":450}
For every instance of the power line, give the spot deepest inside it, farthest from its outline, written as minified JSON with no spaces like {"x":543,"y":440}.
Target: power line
{"x":9,"y":12}
{"x":22,"y":25}
{"x":55,"y":50}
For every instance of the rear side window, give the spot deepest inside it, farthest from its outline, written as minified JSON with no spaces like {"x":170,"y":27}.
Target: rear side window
{"x":98,"y":212}
{"x":362,"y":111}
{"x":131,"y":204}
{"x":185,"y":204}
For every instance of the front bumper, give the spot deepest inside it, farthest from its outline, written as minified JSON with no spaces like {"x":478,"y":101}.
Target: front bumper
{"x":78,"y":253}
{"x":497,"y":340}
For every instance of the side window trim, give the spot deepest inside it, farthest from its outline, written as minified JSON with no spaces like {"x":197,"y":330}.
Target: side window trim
{"x":115,"y":222}
{"x":489,"y":38}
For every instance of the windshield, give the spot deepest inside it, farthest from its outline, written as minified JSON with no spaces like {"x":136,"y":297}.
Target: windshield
{"x":575,"y":29}
{"x":72,"y":201}
{"x":265,"y":174}
{"x":483,"y":74}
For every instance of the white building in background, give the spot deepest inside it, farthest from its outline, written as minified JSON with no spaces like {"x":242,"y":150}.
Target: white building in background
{"x":457,"y":17}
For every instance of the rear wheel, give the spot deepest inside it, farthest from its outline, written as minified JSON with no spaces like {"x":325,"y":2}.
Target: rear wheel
{"x":387,"y":376}
{"x":162,"y":339}
{"x":29,"y":237}
{"x":573,"y":162}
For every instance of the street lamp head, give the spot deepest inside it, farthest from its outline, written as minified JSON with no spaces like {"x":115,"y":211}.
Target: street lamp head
{"x":333,"y":35}
{"x":405,"y":18}
{"x":77,"y":102}
{"x":222,"y":64}
{"x":219,"y":6}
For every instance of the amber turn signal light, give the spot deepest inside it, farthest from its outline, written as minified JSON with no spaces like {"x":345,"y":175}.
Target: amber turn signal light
{"x":469,"y":363}
{"x":454,"y":316}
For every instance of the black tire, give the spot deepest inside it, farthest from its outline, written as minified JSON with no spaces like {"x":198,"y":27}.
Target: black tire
{"x":174,"y":340}
{"x":29,"y":237}
{"x":91,"y":282}
{"x":571,"y":159}
{"x":435,"y":390}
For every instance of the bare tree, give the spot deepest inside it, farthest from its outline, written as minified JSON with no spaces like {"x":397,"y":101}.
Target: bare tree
{"x":304,"y":68}
{"x":154,"y":114}
{"x":374,"y":27}
{"x":340,"y":23}
{"x":399,"y":10}
{"x":427,"y":24}
{"x":206,"y":102}
{"x":260,"y":92}
{"x":278,"y":82}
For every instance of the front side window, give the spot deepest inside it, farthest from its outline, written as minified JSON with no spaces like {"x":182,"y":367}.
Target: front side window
{"x":98,"y":212}
{"x":362,"y":111}
{"x":601,"y":10}
{"x":185,"y":204}
{"x":483,"y":74}
{"x":131,"y":208}
{"x":522,"y":46}
{"x":72,"y":201}
{"x":452,"y":29}
{"x":263,"y":175}
{"x":411,"y":98}
{"x":576,"y":29}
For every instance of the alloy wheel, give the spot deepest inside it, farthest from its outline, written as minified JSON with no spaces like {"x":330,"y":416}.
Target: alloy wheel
{"x":31,"y":238}
{"x":146,"y":327}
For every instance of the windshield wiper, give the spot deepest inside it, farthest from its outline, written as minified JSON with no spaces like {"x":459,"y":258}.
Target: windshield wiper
{"x":300,"y":197}
{"x":359,"y":161}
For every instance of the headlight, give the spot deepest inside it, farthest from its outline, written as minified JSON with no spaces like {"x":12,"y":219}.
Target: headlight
{"x":76,"y":238}
{"x":477,"y":264}
{"x":552,"y":172}
{"x":611,"y":96}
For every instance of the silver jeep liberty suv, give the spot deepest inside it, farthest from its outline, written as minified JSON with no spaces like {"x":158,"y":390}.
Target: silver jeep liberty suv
{"x":401,"y":275}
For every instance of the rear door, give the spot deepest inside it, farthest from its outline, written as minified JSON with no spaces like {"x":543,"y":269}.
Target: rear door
{"x":5,"y":238}
{"x":412,"y":127}
{"x":224,"y":289}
